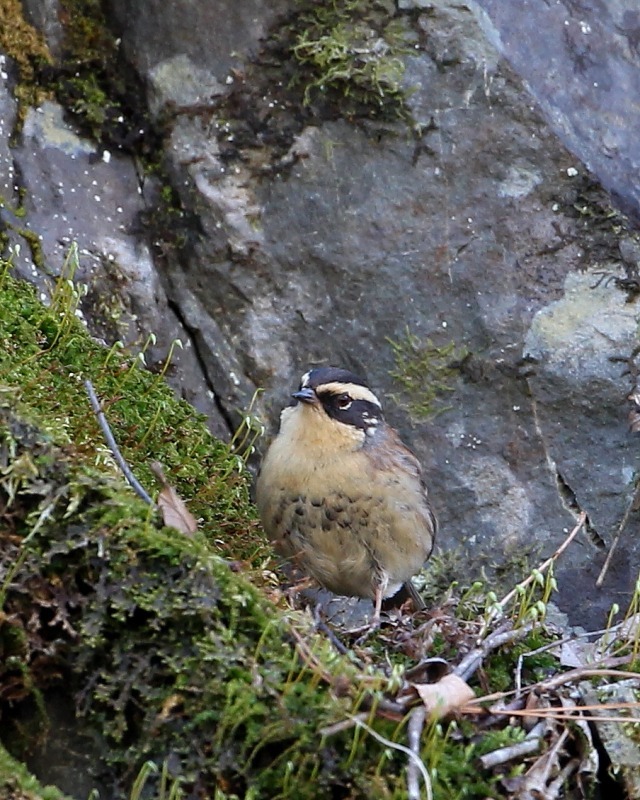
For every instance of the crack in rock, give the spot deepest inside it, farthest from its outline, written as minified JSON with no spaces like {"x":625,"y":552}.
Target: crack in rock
{"x":570,"y":502}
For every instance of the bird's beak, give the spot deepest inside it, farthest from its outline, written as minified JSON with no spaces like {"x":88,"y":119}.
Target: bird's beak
{"x":306,"y":396}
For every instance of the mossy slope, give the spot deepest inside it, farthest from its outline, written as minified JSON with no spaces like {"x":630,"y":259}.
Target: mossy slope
{"x":163,"y":649}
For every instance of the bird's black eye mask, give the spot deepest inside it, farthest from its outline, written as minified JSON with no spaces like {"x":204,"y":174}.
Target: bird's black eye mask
{"x":358,"y":413}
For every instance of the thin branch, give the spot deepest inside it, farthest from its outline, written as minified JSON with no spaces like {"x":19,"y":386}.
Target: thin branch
{"x":562,"y":714}
{"x":321,"y":625}
{"x":308,"y":658}
{"x":414,"y":735}
{"x":633,"y":506}
{"x":343,"y":725}
{"x":530,"y":744}
{"x":545,"y":565}
{"x":474,"y":658}
{"x":587,"y":672}
{"x":558,"y":643}
{"x":554,"y":683}
{"x":550,"y":758}
{"x":395,"y":746}
{"x":111,"y":442}
{"x":556,"y":785}
{"x":549,"y":711}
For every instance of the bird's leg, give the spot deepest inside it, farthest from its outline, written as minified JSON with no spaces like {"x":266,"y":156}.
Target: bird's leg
{"x":377,"y":603}
{"x":371,"y":627}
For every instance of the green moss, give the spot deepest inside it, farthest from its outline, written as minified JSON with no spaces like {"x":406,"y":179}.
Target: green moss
{"x":47,"y":356}
{"x":16,"y":783}
{"x":166,"y":648}
{"x":87,"y":80}
{"x":501,"y":668}
{"x":426,"y":373}
{"x":347,"y":47}
{"x":323,"y":61}
{"x":452,"y":759}
{"x":27,"y":49}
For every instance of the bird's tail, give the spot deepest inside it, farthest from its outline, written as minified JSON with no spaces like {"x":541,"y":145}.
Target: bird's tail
{"x":406,"y":592}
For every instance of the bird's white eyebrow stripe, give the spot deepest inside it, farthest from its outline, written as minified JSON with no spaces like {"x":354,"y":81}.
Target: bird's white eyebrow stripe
{"x":305,"y":379}
{"x":354,"y":390}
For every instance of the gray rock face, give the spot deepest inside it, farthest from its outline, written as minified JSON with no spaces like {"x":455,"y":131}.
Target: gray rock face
{"x":214,"y":36}
{"x":583,"y":72}
{"x":454,"y":260}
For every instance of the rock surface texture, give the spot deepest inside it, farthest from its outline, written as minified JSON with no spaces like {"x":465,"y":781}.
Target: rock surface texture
{"x":452,"y":258}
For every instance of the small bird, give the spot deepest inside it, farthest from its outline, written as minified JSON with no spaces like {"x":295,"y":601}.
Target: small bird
{"x":341,"y":496}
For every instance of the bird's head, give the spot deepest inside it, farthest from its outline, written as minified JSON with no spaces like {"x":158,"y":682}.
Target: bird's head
{"x":336,"y":403}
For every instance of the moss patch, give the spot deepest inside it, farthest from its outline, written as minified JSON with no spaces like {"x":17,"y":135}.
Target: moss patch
{"x":17,"y":784}
{"x":91,"y":82}
{"x":426,"y":372}
{"x":27,"y":48}
{"x":350,"y":49}
{"x":324,"y":61}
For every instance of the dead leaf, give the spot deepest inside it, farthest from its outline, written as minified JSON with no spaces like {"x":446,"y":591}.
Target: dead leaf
{"x":445,"y":696}
{"x":629,"y":629}
{"x":430,"y":670}
{"x":175,"y":513}
{"x":578,"y":653}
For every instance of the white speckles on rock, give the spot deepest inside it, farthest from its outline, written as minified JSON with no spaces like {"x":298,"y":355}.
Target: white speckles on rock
{"x":71,"y":192}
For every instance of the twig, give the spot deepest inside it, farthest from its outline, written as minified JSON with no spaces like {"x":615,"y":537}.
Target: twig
{"x":308,"y":658}
{"x":556,"y":785}
{"x":558,"y":644}
{"x":550,"y":757}
{"x":523,"y":584}
{"x":414,"y":734}
{"x":558,"y":680}
{"x":395,"y":746}
{"x":343,"y":725}
{"x":321,"y":625}
{"x":544,"y":648}
{"x":495,"y":717}
{"x":563,"y":714}
{"x":474,"y":658}
{"x":111,"y":442}
{"x":633,"y":506}
{"x":529,"y":745}
{"x":588,"y":672}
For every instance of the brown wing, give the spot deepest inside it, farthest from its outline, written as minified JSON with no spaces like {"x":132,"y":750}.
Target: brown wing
{"x":388,"y":452}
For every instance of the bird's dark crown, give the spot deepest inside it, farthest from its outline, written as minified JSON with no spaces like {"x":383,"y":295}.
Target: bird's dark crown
{"x":324,"y":375}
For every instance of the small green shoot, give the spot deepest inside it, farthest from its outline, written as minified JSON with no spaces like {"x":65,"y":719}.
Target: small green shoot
{"x":242,"y":444}
{"x":168,"y":789}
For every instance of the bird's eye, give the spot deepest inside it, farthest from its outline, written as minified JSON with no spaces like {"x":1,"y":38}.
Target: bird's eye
{"x":343,"y":401}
